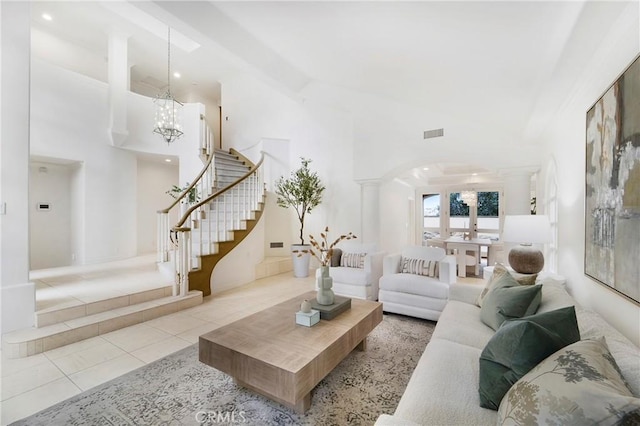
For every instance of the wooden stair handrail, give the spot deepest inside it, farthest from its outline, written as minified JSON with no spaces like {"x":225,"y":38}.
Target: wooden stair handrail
{"x":195,"y":181}
{"x":179,"y":226}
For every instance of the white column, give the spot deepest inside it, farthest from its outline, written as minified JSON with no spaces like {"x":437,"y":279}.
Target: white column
{"x":370,"y":210}
{"x":17,"y":293}
{"x":118,"y":68}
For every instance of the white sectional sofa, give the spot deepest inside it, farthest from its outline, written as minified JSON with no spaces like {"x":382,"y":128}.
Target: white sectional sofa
{"x":413,"y":294}
{"x":443,"y":389}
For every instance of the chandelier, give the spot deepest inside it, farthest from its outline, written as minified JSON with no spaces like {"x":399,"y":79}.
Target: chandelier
{"x":470,"y":198}
{"x":167,"y":121}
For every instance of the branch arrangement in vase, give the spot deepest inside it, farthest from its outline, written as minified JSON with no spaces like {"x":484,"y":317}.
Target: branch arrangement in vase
{"x":322,"y":250}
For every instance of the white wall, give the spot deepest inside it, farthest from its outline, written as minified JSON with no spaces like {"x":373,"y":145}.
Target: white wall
{"x":313,"y":130}
{"x":387,"y":140}
{"x":395,"y":227}
{"x":388,"y":136}
{"x":50,"y":230}
{"x":78,"y":213}
{"x":238,"y":267}
{"x":154,"y":180}
{"x":211,"y":112}
{"x":69,"y":120}
{"x":141,"y":113}
{"x":260,"y":118}
{"x":17,"y":293}
{"x":378,"y":139}
{"x":565,"y":144}
{"x":276,"y":218}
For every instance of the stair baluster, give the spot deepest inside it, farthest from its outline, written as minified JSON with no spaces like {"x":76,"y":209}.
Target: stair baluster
{"x":224,"y":209}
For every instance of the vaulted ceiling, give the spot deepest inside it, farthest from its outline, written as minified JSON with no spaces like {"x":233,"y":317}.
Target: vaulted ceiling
{"x":478,"y":61}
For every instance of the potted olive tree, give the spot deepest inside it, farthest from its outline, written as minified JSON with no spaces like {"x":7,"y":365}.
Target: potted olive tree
{"x":302,"y":191}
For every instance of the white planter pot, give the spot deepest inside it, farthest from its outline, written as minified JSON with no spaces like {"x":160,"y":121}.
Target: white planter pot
{"x":301,"y":255}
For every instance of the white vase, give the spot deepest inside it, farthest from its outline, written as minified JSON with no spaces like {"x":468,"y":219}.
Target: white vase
{"x":301,"y":255}
{"x":325,"y":295}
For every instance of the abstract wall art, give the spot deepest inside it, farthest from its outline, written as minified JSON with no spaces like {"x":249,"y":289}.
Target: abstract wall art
{"x":612,"y":203}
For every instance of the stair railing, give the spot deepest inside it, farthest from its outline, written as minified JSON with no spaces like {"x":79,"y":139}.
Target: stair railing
{"x":203,"y":184}
{"x":213,"y":220}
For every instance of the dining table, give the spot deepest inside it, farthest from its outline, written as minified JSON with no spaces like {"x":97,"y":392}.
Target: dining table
{"x":460,"y":246}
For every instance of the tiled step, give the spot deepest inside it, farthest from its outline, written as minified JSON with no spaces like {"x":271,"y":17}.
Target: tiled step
{"x":22,"y":343}
{"x":274,"y":265}
{"x":78,"y":309}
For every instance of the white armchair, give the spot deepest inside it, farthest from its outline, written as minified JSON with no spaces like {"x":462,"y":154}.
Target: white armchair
{"x":359,"y":282}
{"x":405,"y":290}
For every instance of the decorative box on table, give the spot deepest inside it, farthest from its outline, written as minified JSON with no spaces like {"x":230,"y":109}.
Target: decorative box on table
{"x":329,"y":312}
{"x":308,"y":318}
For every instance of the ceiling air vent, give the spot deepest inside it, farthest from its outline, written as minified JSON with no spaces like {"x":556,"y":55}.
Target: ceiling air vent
{"x":436,"y":133}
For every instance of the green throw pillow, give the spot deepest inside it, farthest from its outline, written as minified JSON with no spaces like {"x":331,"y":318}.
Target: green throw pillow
{"x":508,"y":300}
{"x":518,"y":346}
{"x":498,"y":271}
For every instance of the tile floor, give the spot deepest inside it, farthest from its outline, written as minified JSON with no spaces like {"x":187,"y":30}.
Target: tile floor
{"x":34,"y":383}
{"x":73,"y":286}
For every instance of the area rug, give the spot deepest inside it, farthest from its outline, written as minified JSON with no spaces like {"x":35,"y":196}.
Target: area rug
{"x":180,"y":390}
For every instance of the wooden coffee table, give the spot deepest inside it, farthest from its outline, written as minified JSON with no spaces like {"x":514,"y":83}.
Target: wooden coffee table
{"x":270,"y":354}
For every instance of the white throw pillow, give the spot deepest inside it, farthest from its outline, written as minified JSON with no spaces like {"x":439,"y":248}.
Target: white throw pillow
{"x":352,"y":260}
{"x":427,"y":268}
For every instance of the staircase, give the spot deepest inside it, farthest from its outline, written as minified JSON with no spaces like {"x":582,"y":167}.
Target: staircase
{"x":229,"y":168}
{"x":224,"y":221}
{"x":231,"y":190}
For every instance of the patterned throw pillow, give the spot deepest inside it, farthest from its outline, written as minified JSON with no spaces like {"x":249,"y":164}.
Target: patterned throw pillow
{"x":428,"y":268}
{"x":580,"y":384}
{"x":499,"y":271}
{"x":352,"y":260}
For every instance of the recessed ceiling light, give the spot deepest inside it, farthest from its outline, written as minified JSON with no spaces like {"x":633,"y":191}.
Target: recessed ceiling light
{"x":168,"y":160}
{"x":474,"y":174}
{"x":176,"y":74}
{"x":47,"y":17}
{"x":425,"y":168}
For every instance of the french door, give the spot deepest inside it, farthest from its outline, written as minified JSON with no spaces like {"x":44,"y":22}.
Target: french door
{"x":454,"y":213}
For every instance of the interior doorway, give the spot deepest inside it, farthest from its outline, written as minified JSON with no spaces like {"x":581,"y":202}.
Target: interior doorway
{"x":50,"y":213}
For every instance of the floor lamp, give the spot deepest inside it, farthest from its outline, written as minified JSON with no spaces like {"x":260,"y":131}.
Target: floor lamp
{"x":526,"y":230}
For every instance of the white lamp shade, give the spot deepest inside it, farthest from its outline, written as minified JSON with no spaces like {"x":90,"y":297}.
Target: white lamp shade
{"x":529,"y":229}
